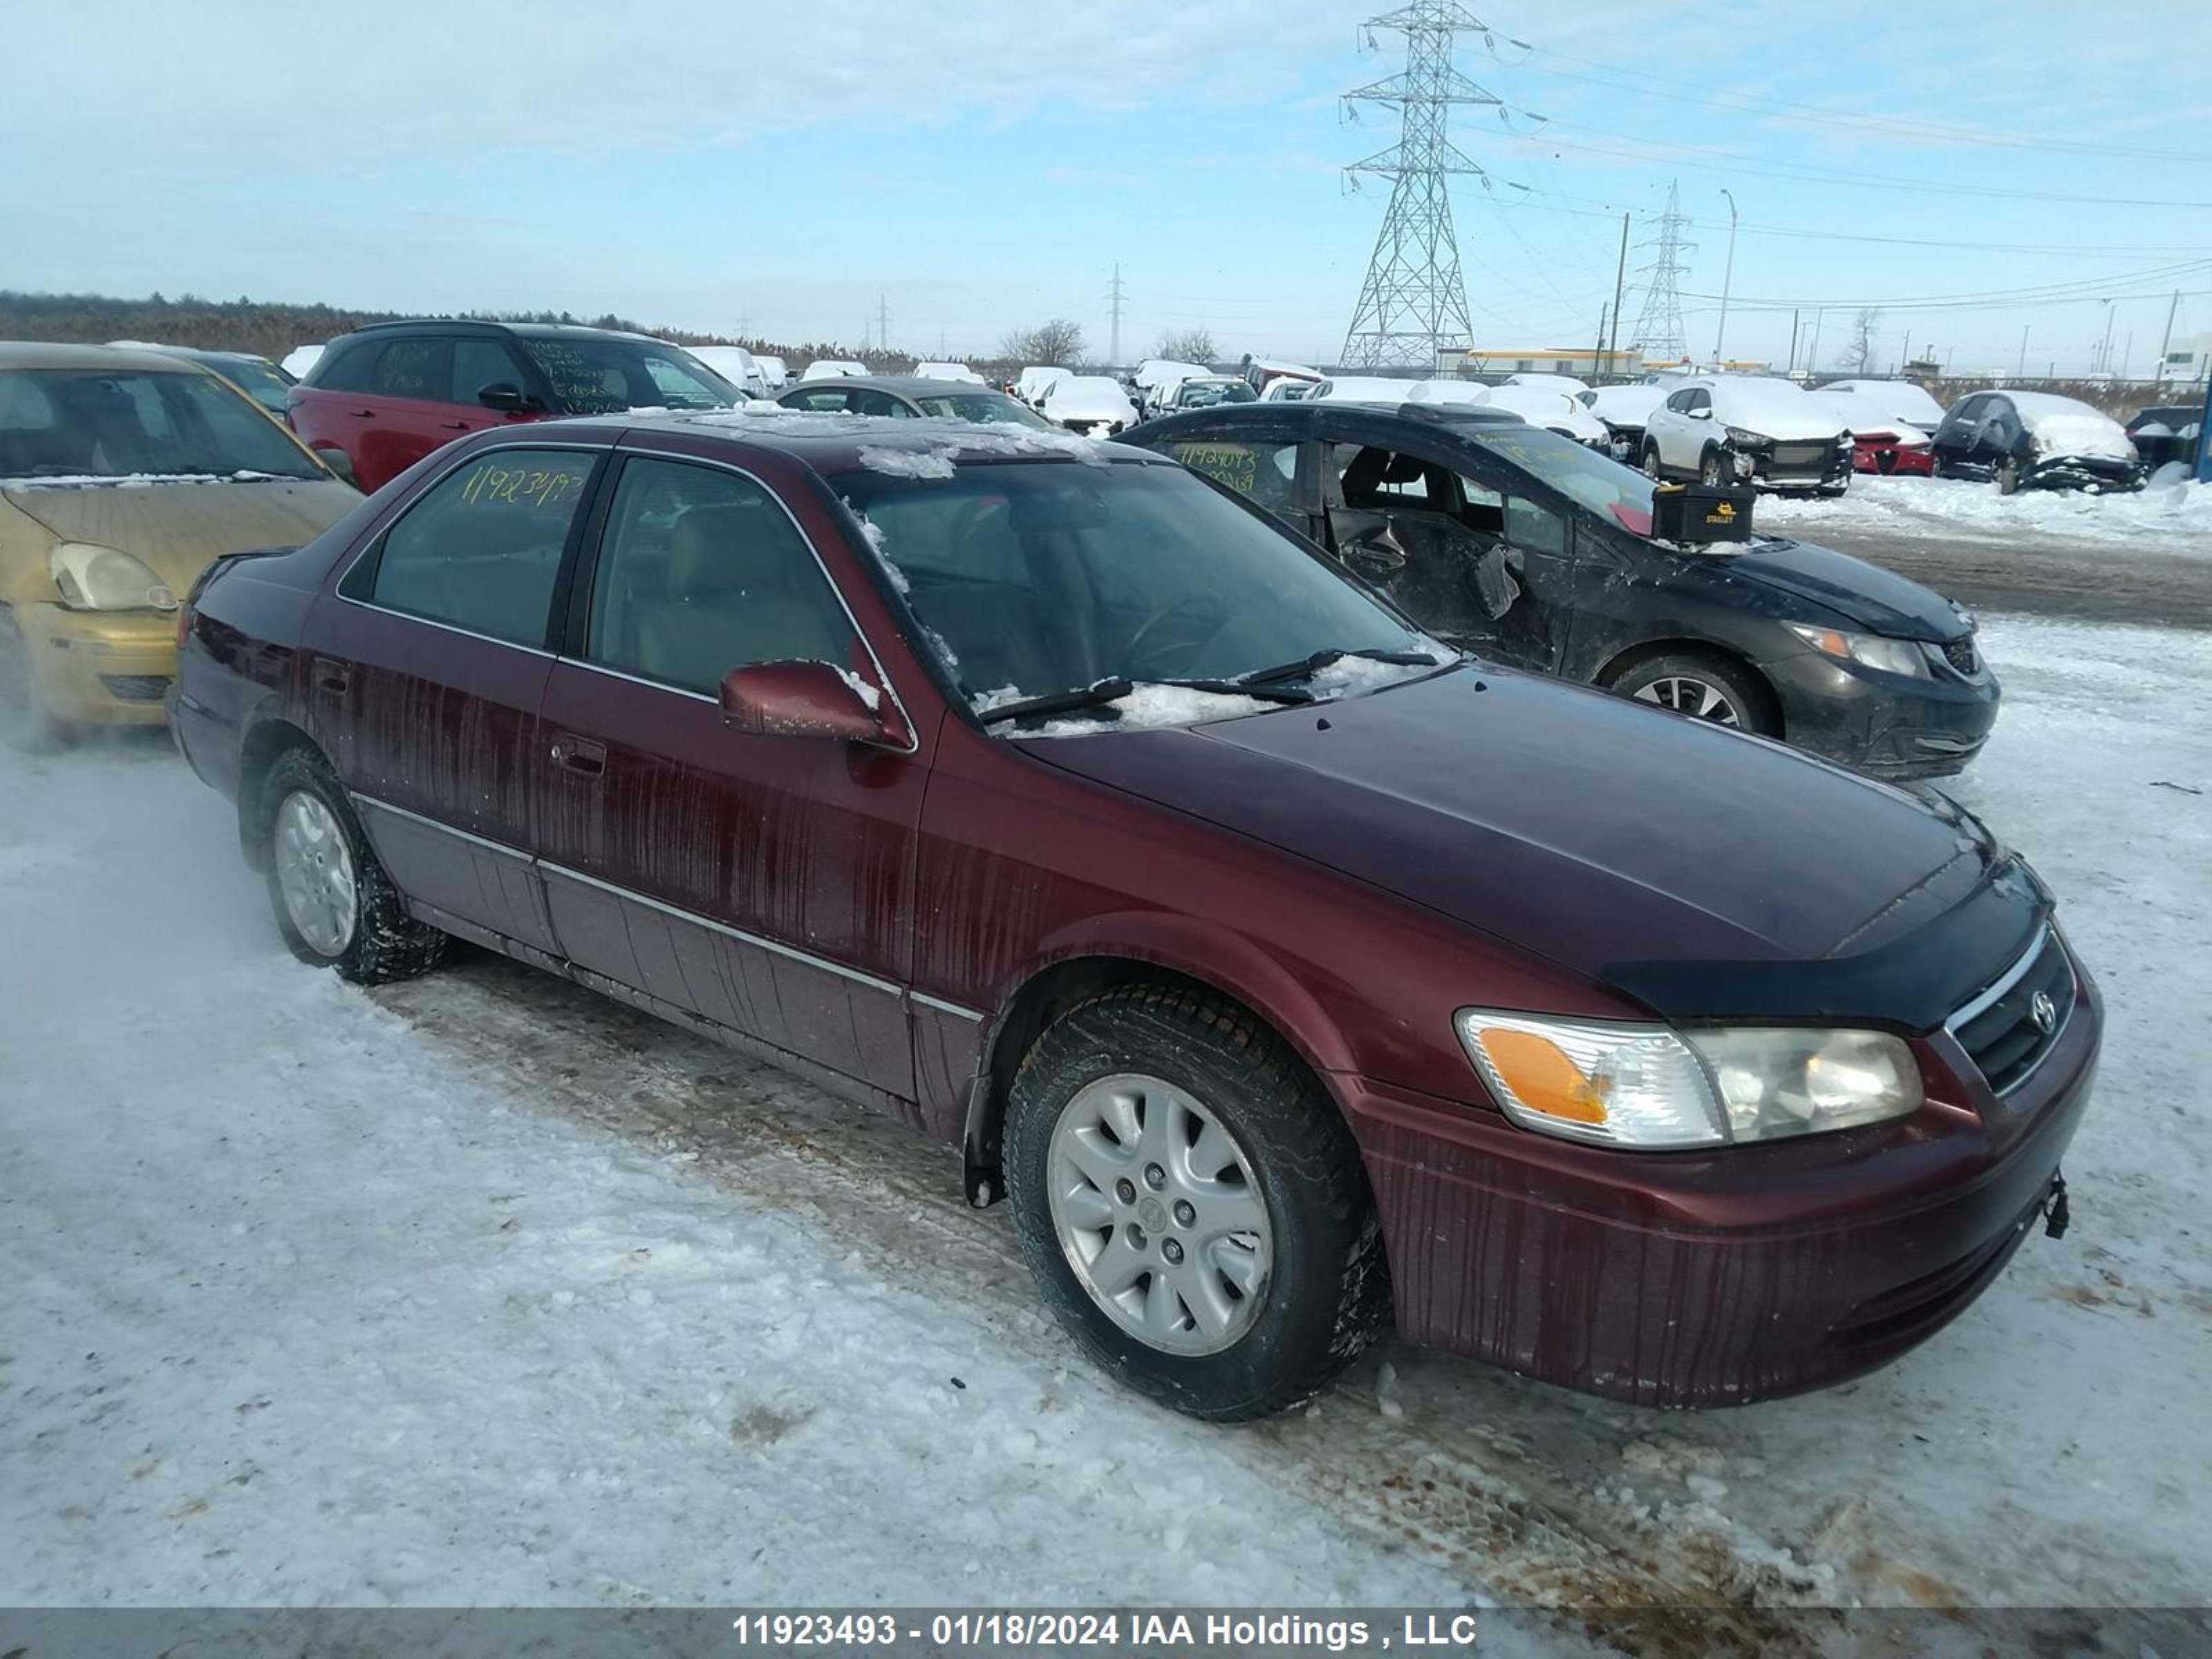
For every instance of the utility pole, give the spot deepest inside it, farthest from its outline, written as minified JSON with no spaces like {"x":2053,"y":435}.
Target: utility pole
{"x":1115,"y":298}
{"x":2165,"y":345}
{"x":2021,"y":373}
{"x":882,"y":325}
{"x":1620,"y":277}
{"x":1413,"y":303}
{"x":1727,"y":278}
{"x":2105,"y":351}
{"x":2127,"y":355}
{"x":1792,"y":369}
{"x":1813,"y":351}
{"x":1597,"y":351}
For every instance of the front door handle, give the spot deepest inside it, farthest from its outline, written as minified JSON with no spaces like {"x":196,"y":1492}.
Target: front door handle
{"x":362,"y":414}
{"x":453,"y":426}
{"x":580,"y":755}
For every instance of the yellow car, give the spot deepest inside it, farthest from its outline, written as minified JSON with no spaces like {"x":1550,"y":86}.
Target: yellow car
{"x":122,"y":476}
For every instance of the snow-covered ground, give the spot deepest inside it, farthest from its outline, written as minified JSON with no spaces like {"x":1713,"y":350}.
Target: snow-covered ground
{"x":2167,"y":516}
{"x":482,"y":1290}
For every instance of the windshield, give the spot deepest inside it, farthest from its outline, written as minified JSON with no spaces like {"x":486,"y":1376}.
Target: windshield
{"x":1033,"y":578}
{"x":261,"y":380}
{"x":91,"y":423}
{"x":1205,"y":396}
{"x":1588,"y":476}
{"x":980,"y":407}
{"x":606,"y":376}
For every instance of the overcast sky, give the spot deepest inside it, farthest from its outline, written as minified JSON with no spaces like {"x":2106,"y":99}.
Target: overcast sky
{"x":980,"y":164}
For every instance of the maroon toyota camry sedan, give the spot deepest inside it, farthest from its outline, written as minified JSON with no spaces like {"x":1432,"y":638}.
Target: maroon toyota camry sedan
{"x":1282,"y":968}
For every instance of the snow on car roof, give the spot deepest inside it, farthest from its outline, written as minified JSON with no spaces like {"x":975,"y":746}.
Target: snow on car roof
{"x":1754,"y":398}
{"x":1905,"y":399}
{"x":1864,"y":414}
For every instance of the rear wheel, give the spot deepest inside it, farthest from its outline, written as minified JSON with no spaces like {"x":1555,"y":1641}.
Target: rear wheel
{"x":1704,"y":687}
{"x":27,"y":722}
{"x":335,"y":906}
{"x":1191,"y":1203}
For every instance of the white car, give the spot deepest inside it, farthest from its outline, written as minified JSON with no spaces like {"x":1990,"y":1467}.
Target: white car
{"x":927,"y":371}
{"x":1624,"y":409}
{"x":1566,"y":383}
{"x":778,"y":372}
{"x":1092,"y":404}
{"x":832,"y":368}
{"x":1156,"y":378}
{"x":1901,"y":400}
{"x":1265,"y":375}
{"x":1031,"y":383}
{"x":1549,"y":407}
{"x":298,"y":359}
{"x":1742,"y":428}
{"x":734,"y":364}
{"x":1369,"y":389}
{"x":1285,"y":389}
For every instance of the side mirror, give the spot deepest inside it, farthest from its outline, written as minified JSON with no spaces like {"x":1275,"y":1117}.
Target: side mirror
{"x":1705,"y":414}
{"x":506,"y":398}
{"x":340,"y":463}
{"x":810,"y":699}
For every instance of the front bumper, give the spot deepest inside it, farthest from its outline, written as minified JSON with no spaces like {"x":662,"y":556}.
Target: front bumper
{"x":1704,"y":1280}
{"x":1888,"y":726}
{"x":102,"y":667}
{"x":2093,"y":472}
{"x":1787,"y":467}
{"x":1903,"y":460}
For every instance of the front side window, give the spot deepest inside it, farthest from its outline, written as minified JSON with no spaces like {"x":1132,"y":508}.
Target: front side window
{"x":980,"y":407}
{"x":1031,"y":577}
{"x":480,"y":363}
{"x":702,"y":571}
{"x":1620,"y":494}
{"x":93,"y":424}
{"x":347,"y":370}
{"x":831,"y":401}
{"x":480,"y":549}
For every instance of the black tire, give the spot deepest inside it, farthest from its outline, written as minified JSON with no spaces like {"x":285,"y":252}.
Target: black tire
{"x":1649,"y":463}
{"x":385,"y":943}
{"x":28,"y":723}
{"x":1749,"y":699}
{"x":1712,"y":472}
{"x":2008,"y":475}
{"x":1328,"y":1290}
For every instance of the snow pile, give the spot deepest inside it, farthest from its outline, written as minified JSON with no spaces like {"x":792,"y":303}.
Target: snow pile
{"x":860,"y":689}
{"x":2172,"y":518}
{"x":936,"y":463}
{"x":1349,"y":676}
{"x":1626,"y":405}
{"x":2066,"y":426}
{"x":1902,"y":400}
{"x":1148,"y":704}
{"x":1095,"y":397}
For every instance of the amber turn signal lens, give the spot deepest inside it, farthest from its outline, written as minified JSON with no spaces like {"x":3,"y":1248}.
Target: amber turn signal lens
{"x":1539,"y":1071}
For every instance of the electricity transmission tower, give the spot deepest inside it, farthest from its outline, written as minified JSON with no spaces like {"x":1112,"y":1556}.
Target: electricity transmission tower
{"x":1115,"y":298}
{"x":1413,"y":302}
{"x":1659,"y":333}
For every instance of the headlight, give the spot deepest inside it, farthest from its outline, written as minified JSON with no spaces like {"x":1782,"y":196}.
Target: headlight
{"x":1650,"y":1088}
{"x":1874,"y":650}
{"x":95,"y":578}
{"x":1743,"y":440}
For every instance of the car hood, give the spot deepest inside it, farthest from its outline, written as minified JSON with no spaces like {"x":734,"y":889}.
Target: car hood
{"x":1878,"y":600}
{"x":1585,"y":827}
{"x":178,"y":529}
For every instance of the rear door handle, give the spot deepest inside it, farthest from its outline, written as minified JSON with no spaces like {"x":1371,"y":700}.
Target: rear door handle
{"x":580,"y":755}
{"x":362,"y":414}
{"x":332,"y":675}
{"x":453,"y":426}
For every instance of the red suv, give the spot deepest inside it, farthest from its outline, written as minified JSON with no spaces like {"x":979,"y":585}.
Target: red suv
{"x":379,"y":400}
{"x":1279,"y":964}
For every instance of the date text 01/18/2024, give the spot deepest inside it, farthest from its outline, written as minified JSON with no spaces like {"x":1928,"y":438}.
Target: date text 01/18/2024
{"x":1196,"y":1632}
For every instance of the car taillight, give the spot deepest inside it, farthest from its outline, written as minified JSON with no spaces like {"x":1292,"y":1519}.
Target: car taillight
{"x":184,"y":624}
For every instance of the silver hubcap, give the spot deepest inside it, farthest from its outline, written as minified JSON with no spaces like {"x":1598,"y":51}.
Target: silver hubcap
{"x":1156,"y":1209}
{"x":314,"y":873}
{"x":1693,"y":698}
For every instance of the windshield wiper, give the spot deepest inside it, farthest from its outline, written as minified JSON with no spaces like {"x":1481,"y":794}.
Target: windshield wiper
{"x":1320,"y":659}
{"x":1108,"y":691}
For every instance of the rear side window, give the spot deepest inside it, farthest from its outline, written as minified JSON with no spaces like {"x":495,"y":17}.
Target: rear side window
{"x":702,"y":571}
{"x":480,"y":549}
{"x":831,"y":402}
{"x":1263,"y":473}
{"x":348,"y":370}
{"x":422,"y":369}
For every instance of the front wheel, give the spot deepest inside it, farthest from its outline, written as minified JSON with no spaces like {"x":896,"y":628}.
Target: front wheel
{"x":1705,"y":687}
{"x":1650,"y":462}
{"x":335,"y":906}
{"x":1191,"y":1203}
{"x":1712,"y":469}
{"x":2007,"y":475}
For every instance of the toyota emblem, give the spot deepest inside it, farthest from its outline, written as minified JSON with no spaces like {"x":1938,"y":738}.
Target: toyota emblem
{"x":2044,"y":1012}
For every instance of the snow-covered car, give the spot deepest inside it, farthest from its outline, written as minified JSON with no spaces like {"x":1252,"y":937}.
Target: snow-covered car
{"x":1624,"y":409}
{"x":1154,"y":378}
{"x":1279,"y":969}
{"x":1264,"y":375}
{"x":736,"y":365}
{"x":1551,"y":407}
{"x":122,"y":476}
{"x":1531,"y":550}
{"x":775,"y":369}
{"x":1881,"y":443}
{"x":1900,"y":400}
{"x":2036,"y":440}
{"x":934,"y":371}
{"x":1743,"y":428}
{"x":1365,"y":389}
{"x":1092,"y":404}
{"x":299,"y":359}
{"x":1204,"y":390}
{"x":1569,"y":384}
{"x":1029,"y":384}
{"x":909,"y":397}
{"x":1287,"y":389}
{"x":824,"y":368}
{"x":2166,"y":433}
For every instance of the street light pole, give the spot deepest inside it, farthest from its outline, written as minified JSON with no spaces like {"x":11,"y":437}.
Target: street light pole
{"x":1728,"y":278}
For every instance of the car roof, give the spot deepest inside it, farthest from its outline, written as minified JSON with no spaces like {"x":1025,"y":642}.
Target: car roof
{"x":522,"y":331}
{"x":835,"y":443}
{"x":908,"y":385}
{"x":47,"y":353}
{"x":1305,"y":412}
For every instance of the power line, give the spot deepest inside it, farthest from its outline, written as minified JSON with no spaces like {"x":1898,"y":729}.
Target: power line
{"x":1784,"y":109}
